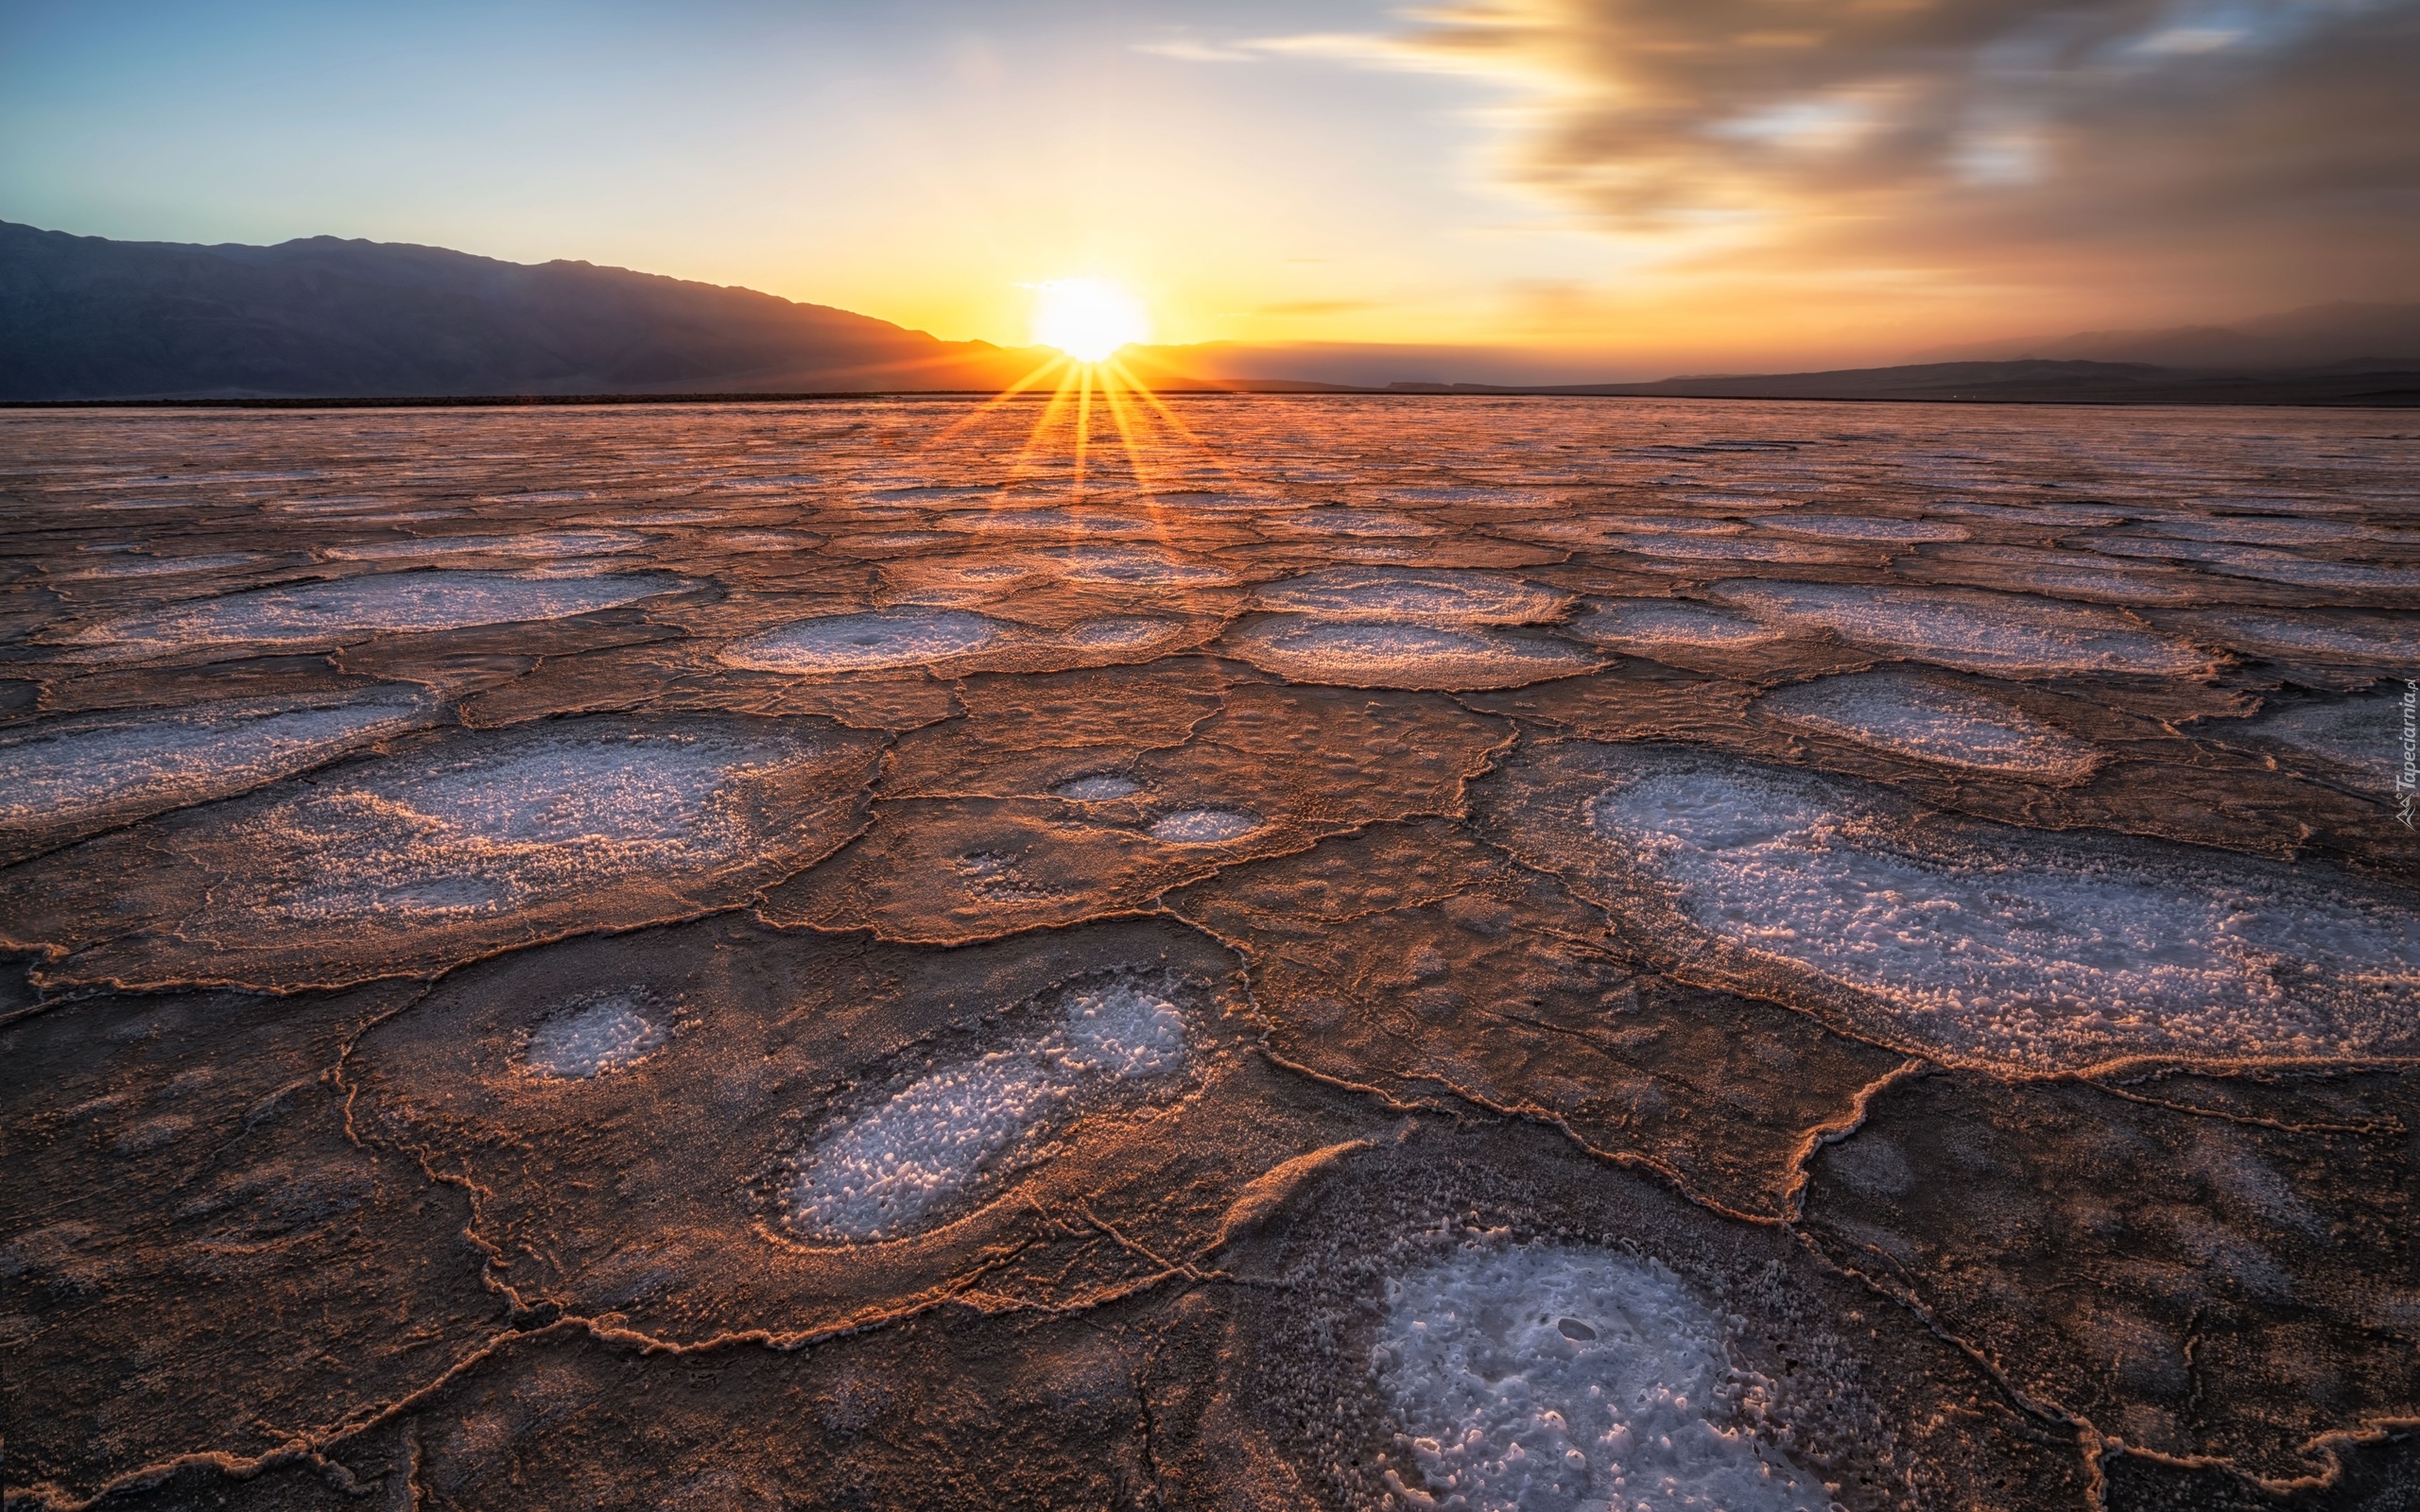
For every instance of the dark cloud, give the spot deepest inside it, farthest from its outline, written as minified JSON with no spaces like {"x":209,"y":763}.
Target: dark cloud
{"x":2263,"y":147}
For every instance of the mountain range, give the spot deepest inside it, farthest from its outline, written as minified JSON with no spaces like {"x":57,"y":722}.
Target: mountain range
{"x":83,"y":318}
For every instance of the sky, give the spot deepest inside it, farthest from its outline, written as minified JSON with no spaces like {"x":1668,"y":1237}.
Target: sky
{"x":1607,"y":188}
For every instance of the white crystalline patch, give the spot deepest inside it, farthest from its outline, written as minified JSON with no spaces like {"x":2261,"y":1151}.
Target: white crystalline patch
{"x":438,"y":838}
{"x":1411,"y":596}
{"x":2255,"y":531}
{"x":1864,"y":528}
{"x":1090,"y":521}
{"x":606,"y":1035}
{"x":1968,"y":628}
{"x":2037,"y":514}
{"x":1915,"y":717}
{"x":2368,"y":640}
{"x":1099,"y":787}
{"x":2261,"y":562}
{"x":1402,"y":656}
{"x":1183,"y":502}
{"x":1127,"y":565}
{"x":2015,"y":953}
{"x":1358,"y":522}
{"x":883,"y":1173}
{"x":164,"y":566}
{"x":1202,"y":826}
{"x":2361,"y":733}
{"x":319,"y":613}
{"x":1119,"y":632}
{"x":768,"y":541}
{"x":1649,"y":624}
{"x":860,"y":643}
{"x":90,"y":766}
{"x":1536,"y":1378}
{"x":535,"y":543}
{"x":1732,"y":548}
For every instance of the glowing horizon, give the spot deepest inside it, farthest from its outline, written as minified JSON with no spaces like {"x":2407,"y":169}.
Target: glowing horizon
{"x":1627,"y":190}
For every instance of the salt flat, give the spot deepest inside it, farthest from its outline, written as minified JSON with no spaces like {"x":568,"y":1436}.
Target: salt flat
{"x":1358,"y":952}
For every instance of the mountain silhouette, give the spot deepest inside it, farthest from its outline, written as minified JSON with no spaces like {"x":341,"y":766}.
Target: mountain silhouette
{"x":86,"y":317}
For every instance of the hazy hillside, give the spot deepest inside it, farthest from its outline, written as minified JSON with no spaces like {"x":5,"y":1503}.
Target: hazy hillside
{"x":2315,"y":337}
{"x":84,"y":317}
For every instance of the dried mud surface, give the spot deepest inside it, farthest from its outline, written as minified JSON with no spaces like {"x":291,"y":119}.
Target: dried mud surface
{"x":1416,"y":954}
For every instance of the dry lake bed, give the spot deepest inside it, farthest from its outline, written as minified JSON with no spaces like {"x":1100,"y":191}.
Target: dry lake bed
{"x":1242,"y":952}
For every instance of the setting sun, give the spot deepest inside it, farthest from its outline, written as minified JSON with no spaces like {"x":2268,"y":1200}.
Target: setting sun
{"x":1087,"y":318}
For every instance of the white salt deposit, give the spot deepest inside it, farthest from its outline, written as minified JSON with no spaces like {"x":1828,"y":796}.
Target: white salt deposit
{"x":2361,"y":733}
{"x":1099,"y":787}
{"x":1863,"y":527}
{"x":1202,"y":826}
{"x":2001,"y":947}
{"x":1917,"y":716}
{"x":124,"y":763}
{"x":1413,"y":597}
{"x":605,"y":1034}
{"x":533,"y":544}
{"x":1381,"y":655}
{"x":1537,"y":1377}
{"x":1968,"y":628}
{"x":1118,"y":632}
{"x":1732,"y":548}
{"x":2362,"y":640}
{"x":1336,"y":522}
{"x":350,"y":607}
{"x":884,"y":1173}
{"x":494,"y":829}
{"x":1133,"y":566}
{"x":861,"y":642}
{"x":1646,"y":626}
{"x":2262,"y":563}
{"x":134,"y":566}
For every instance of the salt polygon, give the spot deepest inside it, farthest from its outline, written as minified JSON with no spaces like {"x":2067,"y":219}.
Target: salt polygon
{"x":1916,"y":716}
{"x":889,"y":1170}
{"x":1538,"y":1377}
{"x":863,"y":642}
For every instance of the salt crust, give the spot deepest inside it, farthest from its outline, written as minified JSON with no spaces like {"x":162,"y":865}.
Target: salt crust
{"x":1383,"y":655}
{"x":1202,"y":826}
{"x":607,"y":1033}
{"x":2360,"y":639}
{"x":1996,"y":946}
{"x":437,"y":837}
{"x":1916,"y":716}
{"x":1649,"y":624}
{"x":348,"y":608}
{"x":921,"y":637}
{"x":1968,"y":628}
{"x":860,"y":643}
{"x":535,"y":543}
{"x":1439,"y":598}
{"x":2361,"y":733}
{"x":882,"y":1174}
{"x":1538,"y":1377}
{"x":1099,"y":787}
{"x":142,"y":761}
{"x":1863,"y":527}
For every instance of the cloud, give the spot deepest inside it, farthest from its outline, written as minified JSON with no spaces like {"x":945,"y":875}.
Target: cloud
{"x":2254,"y":141}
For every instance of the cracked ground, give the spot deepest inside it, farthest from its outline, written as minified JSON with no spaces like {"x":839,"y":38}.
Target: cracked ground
{"x":1277,"y":953}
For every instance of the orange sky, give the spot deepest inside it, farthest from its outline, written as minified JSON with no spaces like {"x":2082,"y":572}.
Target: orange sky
{"x":1620,"y":187}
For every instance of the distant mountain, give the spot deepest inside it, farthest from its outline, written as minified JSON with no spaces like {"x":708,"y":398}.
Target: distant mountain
{"x":2028,"y":382}
{"x":85,"y":318}
{"x":2317,"y":336}
{"x":82,"y":317}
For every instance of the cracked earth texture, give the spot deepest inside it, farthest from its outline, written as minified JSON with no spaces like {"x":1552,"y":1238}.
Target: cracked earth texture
{"x":1354,"y":953}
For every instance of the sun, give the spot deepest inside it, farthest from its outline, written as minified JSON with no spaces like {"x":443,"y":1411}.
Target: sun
{"x":1087,"y":318}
